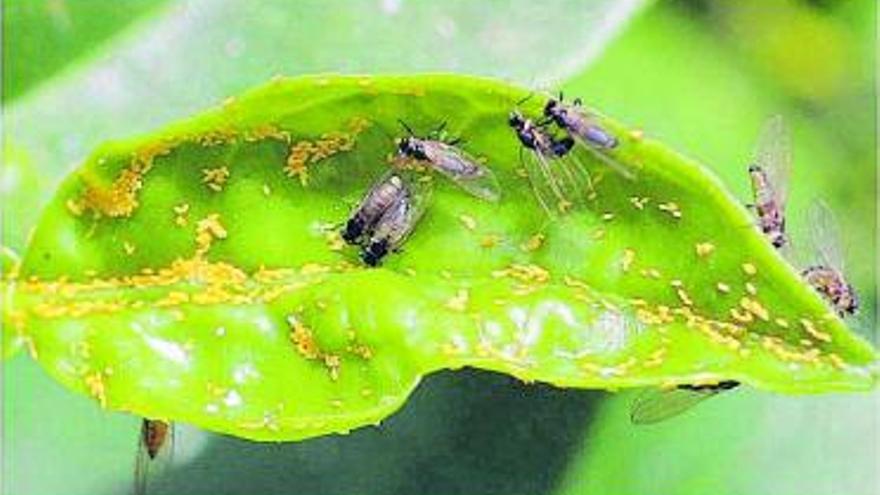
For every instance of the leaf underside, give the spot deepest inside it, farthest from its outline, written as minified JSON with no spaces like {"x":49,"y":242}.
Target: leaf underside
{"x":197,"y":274}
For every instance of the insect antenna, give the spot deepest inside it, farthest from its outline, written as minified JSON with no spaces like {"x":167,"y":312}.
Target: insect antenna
{"x":406,"y":127}
{"x":527,"y":98}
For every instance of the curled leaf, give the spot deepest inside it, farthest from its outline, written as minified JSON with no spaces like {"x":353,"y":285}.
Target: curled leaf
{"x":197,"y":274}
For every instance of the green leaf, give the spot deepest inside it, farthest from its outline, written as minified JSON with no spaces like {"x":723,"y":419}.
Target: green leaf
{"x":202,"y":262}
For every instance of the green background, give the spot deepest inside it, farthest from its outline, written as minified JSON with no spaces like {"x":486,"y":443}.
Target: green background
{"x":701,"y":76}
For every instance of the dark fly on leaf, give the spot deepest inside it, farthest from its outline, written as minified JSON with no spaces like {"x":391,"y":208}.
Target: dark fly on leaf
{"x":155,"y":448}
{"x":827,"y":276}
{"x":558,"y":178}
{"x":397,"y":222}
{"x":380,"y":197}
{"x":655,"y":405}
{"x":387,"y":214}
{"x":446,"y":158}
{"x":585,"y":129}
{"x":769,"y":173}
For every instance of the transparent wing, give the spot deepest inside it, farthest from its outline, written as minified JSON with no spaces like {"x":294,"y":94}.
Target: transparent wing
{"x":605,"y":158}
{"x":398,"y":222}
{"x":589,"y":133}
{"x":586,"y":120}
{"x":825,"y":235}
{"x":572,"y":177}
{"x":545,"y":181}
{"x":369,"y":208}
{"x":463,"y":169}
{"x":155,"y":453}
{"x":655,"y":405}
{"x":419,"y":187}
{"x":773,"y":155}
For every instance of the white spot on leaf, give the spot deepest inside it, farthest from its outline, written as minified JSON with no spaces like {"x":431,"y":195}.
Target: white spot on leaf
{"x":171,"y":351}
{"x":232,"y":399}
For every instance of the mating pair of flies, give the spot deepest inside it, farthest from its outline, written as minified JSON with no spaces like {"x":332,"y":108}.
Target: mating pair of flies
{"x":390,"y":210}
{"x":769,"y":173}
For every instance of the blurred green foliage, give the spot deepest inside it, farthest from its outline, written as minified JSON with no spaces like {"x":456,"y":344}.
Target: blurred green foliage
{"x":701,"y":76}
{"x":41,"y":37}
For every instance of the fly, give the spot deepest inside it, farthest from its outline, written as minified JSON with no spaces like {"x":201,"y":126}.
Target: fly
{"x":655,"y":405}
{"x":769,"y":174}
{"x":583,"y":126}
{"x":381,"y":196}
{"x":397,"y":222}
{"x":556,"y":175}
{"x":452,"y":162}
{"x":154,"y":452}
{"x":827,"y":276}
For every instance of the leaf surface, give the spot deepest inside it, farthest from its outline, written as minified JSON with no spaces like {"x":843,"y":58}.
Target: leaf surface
{"x":196,"y":274}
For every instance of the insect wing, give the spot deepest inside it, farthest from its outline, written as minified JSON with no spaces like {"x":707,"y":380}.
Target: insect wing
{"x":463,"y":169}
{"x":368,"y":212}
{"x":587,"y":128}
{"x":398,"y":222}
{"x":155,"y":454}
{"x":559,"y":182}
{"x":596,"y":140}
{"x":545,"y":182}
{"x":655,"y":405}
{"x":825,"y":235}
{"x":773,"y":156}
{"x":572,"y":177}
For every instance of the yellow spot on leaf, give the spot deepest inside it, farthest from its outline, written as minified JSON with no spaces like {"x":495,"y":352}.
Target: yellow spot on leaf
{"x":120,"y":198}
{"x":302,"y":338}
{"x":671,"y":208}
{"x":459,"y":301}
{"x":490,"y":241}
{"x":754,"y":307}
{"x":629,"y":256}
{"x":639,"y":202}
{"x":468,"y":221}
{"x":303,"y":153}
{"x":181,"y":212}
{"x":811,"y":329}
{"x":207,"y":230}
{"x":704,"y":249}
{"x":533,"y":243}
{"x":97,"y":388}
{"x":75,"y":207}
{"x":334,"y":240}
{"x":215,"y":178}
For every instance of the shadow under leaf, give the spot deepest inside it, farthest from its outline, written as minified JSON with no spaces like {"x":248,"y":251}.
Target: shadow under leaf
{"x":461,"y":432}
